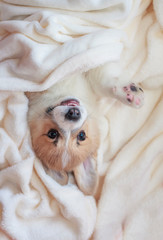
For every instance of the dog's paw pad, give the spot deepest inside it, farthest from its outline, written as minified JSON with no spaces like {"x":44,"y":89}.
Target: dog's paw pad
{"x":134,"y":95}
{"x":131,"y":95}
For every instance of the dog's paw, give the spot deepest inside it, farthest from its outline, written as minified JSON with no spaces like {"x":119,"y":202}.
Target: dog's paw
{"x":131,"y":95}
{"x":134,"y":95}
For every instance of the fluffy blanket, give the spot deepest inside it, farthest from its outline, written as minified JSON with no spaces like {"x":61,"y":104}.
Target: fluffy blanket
{"x":40,"y":43}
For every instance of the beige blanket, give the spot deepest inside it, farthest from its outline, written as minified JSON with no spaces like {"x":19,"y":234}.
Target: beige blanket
{"x":40,"y":43}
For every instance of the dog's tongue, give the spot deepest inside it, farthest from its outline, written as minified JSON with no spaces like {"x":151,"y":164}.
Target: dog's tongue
{"x":70,"y":102}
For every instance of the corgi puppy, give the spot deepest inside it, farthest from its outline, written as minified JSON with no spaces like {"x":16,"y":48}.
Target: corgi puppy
{"x":63,"y":122}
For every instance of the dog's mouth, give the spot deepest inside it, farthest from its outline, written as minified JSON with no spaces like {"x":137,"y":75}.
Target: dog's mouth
{"x":70,"y":102}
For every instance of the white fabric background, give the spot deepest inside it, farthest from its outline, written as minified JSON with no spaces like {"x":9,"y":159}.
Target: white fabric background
{"x":40,"y":43}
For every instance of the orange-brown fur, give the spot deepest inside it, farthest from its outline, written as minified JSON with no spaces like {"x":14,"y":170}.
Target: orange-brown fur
{"x":51,"y":154}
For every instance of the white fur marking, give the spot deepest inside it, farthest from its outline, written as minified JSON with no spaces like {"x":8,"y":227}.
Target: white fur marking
{"x":65,"y":158}
{"x":65,"y":155}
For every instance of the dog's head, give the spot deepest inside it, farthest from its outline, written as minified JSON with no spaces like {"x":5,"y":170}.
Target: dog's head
{"x":65,"y":138}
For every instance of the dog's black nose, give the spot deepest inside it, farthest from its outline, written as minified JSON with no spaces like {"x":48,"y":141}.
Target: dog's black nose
{"x":73,"y":114}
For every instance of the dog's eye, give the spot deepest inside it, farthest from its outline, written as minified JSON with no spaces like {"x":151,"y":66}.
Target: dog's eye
{"x":49,"y":109}
{"x":53,"y":134}
{"x":81,"y":136}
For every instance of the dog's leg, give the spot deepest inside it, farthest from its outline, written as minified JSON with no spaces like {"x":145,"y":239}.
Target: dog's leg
{"x":86,"y":176}
{"x":106,"y":85}
{"x":131,"y":95}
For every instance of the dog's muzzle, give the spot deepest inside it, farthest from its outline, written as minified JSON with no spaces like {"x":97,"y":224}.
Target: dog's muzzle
{"x":69,"y":114}
{"x":73,"y":114}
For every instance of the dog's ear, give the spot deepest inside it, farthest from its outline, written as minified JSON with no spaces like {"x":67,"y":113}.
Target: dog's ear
{"x":86,"y":176}
{"x":60,"y":177}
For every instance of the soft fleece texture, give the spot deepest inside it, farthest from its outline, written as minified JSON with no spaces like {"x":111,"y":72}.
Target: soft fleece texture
{"x":40,"y":43}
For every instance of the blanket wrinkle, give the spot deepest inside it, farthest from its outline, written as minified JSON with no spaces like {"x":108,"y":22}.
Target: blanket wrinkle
{"x":136,"y":187}
{"x":75,"y":6}
{"x":119,"y":136}
{"x":41,"y":42}
{"x":36,"y":59}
